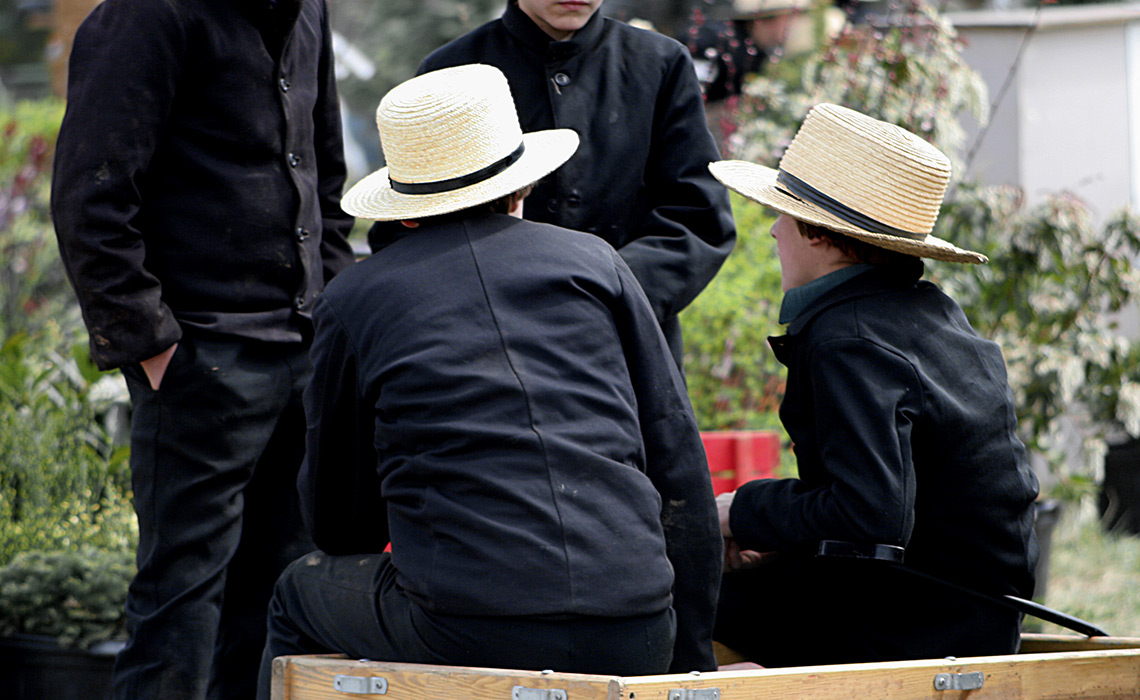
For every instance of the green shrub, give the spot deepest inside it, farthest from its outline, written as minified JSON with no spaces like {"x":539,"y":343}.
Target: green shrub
{"x":78,"y":597}
{"x":735,"y":382}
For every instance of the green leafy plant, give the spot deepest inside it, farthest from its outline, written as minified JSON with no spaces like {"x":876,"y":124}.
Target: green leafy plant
{"x":734,"y":380}
{"x":1050,"y":297}
{"x":78,"y":597}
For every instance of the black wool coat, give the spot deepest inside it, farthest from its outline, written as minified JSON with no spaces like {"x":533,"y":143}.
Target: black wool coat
{"x":494,"y":397}
{"x":198,"y":172}
{"x":640,"y":178}
{"x":903,"y":425}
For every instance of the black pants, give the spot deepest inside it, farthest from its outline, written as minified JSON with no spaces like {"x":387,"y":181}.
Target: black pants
{"x":214,"y":460}
{"x":802,"y":612}
{"x":353,"y":605}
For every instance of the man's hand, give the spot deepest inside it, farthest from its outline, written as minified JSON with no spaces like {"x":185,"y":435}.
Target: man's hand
{"x":156,"y":366}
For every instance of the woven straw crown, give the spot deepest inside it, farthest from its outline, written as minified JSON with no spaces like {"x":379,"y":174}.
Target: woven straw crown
{"x":452,"y":140}
{"x":446,"y":127}
{"x":858,"y":176}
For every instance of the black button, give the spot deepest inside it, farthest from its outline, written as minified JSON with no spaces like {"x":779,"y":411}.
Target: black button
{"x":284,"y":84}
{"x":574,"y":200}
{"x":302,"y":234}
{"x":552,"y":205}
{"x":299,"y":302}
{"x":294,"y":160}
{"x":561,"y":79}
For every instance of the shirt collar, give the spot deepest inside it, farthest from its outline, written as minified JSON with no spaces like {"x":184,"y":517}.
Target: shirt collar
{"x":523,"y":28}
{"x":799,"y":298}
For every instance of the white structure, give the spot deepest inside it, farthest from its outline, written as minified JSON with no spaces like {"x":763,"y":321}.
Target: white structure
{"x":1070,"y":115}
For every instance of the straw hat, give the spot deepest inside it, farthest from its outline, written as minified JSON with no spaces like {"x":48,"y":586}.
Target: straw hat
{"x":859,"y":176}
{"x":452,"y":140}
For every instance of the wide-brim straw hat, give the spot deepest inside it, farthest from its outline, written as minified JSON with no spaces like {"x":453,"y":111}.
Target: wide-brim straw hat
{"x":859,"y":176}
{"x":452,"y":140}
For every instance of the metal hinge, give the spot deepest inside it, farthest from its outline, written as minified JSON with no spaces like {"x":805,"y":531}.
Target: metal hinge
{"x":361,"y":685}
{"x":523,"y":693}
{"x":959,"y":681}
{"x":694,"y":694}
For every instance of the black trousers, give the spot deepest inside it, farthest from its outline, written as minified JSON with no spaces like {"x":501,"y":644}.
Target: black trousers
{"x":214,"y":460}
{"x":803,"y":612}
{"x":353,"y":605}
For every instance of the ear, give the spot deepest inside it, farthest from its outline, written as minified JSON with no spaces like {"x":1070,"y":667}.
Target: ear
{"x":408,"y":223}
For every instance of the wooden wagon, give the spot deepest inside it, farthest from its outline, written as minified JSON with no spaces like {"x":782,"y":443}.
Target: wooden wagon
{"x":1049,"y":667}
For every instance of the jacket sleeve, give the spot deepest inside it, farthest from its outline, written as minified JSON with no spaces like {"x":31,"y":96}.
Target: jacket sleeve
{"x":675,"y":463}
{"x":125,"y":64}
{"x":689,"y":231}
{"x":336,"y":252}
{"x":864,"y":402}
{"x":340,"y":493}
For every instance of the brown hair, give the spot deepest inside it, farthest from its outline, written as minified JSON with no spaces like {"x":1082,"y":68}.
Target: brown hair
{"x":859,"y":251}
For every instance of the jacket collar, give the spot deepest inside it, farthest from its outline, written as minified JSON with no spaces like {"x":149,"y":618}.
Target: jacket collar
{"x":877,"y":279}
{"x":523,"y":29}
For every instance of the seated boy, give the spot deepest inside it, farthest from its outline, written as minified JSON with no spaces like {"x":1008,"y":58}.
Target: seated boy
{"x":495,"y":398}
{"x":901,"y":418}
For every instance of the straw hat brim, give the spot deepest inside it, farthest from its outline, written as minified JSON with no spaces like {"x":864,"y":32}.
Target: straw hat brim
{"x":758,"y":183}
{"x":373,"y":197}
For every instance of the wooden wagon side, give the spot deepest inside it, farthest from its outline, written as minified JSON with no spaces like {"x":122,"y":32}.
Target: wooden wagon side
{"x":1051,"y":667}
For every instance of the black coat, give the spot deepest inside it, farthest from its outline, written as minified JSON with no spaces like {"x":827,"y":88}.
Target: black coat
{"x":198,"y":172}
{"x":536,"y":451}
{"x":640,"y":178}
{"x":903,"y":426}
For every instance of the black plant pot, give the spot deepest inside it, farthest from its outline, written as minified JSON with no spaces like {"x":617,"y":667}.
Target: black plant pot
{"x":1120,"y":492}
{"x":34,"y":667}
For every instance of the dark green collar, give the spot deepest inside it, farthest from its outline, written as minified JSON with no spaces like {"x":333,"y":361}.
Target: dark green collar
{"x":799,"y":298}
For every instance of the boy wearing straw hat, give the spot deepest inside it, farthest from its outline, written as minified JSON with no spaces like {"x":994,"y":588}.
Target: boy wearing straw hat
{"x":639,"y":178}
{"x":901,"y":418}
{"x":494,"y":398}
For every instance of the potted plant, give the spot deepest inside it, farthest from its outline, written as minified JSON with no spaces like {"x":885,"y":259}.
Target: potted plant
{"x":62,"y":622}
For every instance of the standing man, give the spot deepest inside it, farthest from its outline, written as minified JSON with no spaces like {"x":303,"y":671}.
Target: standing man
{"x":912,"y":484}
{"x":196,"y":200}
{"x":640,"y":178}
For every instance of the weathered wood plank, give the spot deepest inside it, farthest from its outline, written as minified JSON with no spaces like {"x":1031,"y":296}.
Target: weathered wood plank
{"x":1111,"y":671}
{"x":312,"y":678}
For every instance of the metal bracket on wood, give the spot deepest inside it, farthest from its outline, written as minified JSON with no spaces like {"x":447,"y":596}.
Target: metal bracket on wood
{"x":959,"y":681}
{"x":520,"y":692}
{"x":694,"y":694}
{"x":361,"y":685}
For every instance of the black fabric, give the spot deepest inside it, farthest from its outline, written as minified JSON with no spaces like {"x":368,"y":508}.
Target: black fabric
{"x":639,"y":179}
{"x":903,"y":427}
{"x":494,"y":397}
{"x":198,"y":172}
{"x":804,"y":611}
{"x":218,"y":515}
{"x":353,"y":605}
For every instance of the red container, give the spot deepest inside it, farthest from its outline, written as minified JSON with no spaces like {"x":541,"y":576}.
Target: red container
{"x":737,"y":456}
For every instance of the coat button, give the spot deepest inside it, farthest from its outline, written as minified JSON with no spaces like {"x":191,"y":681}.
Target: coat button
{"x":284,"y":84}
{"x":574,"y":200}
{"x":302,"y":234}
{"x":552,"y":205}
{"x":299,"y":302}
{"x":294,"y":160}
{"x":561,"y":79}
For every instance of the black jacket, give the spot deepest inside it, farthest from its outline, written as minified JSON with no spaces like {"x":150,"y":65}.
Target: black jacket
{"x":904,"y":431}
{"x":536,"y":451}
{"x":198,"y":172}
{"x":640,"y":178}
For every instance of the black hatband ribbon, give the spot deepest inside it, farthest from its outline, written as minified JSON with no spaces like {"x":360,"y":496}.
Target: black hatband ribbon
{"x":456,"y":183}
{"x":805,"y":192}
